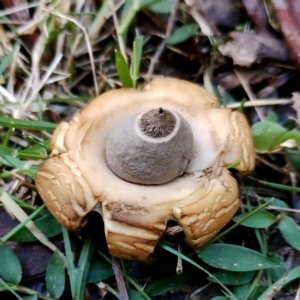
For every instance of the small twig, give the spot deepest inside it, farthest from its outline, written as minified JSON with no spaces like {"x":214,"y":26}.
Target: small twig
{"x":261,"y":102}
{"x":241,"y":77}
{"x":154,"y":59}
{"x":270,"y":165}
{"x":88,"y":44}
{"x":119,"y":278}
{"x":43,"y":80}
{"x":19,"y":213}
{"x":293,"y":210}
{"x":293,"y":179}
{"x":17,"y":8}
{"x":162,"y":45}
{"x":119,"y":35}
{"x":179,"y":267}
{"x":206,"y":27}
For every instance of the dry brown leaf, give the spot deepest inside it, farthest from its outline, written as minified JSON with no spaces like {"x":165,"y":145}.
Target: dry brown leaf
{"x":219,"y":13}
{"x":246,"y":48}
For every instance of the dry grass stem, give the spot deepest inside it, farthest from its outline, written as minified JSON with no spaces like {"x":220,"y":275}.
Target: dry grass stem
{"x":244,"y":82}
{"x":88,"y":45}
{"x":261,"y":102}
{"x":19,"y":213}
{"x":156,"y":56}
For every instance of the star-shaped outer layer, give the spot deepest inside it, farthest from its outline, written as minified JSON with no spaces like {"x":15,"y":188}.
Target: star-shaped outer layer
{"x":203,"y":200}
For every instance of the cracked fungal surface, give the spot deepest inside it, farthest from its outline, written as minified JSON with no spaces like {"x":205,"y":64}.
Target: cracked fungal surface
{"x":193,"y":185}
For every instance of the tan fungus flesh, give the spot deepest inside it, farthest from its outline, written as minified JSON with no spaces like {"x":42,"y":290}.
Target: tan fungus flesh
{"x":77,"y":177}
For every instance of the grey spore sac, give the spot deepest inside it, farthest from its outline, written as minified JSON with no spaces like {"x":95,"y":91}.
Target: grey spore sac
{"x":153,"y":147}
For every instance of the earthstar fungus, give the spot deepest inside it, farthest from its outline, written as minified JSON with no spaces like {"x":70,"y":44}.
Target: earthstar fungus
{"x":144,"y":156}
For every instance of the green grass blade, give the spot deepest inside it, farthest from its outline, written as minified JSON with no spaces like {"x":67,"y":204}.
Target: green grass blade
{"x":250,"y":214}
{"x":22,"y":224}
{"x":69,"y":261}
{"x":26,"y":124}
{"x":83,"y":267}
{"x":129,"y":13}
{"x":182,"y":34}
{"x":6,"y":60}
{"x":136,"y":60}
{"x":123,"y":70}
{"x":8,"y":288}
{"x":99,"y":19}
{"x":47,"y":224}
{"x":175,"y":252}
{"x":7,"y":136}
{"x":241,"y":107}
{"x":20,"y":153}
{"x":276,"y":185}
{"x":161,"y":7}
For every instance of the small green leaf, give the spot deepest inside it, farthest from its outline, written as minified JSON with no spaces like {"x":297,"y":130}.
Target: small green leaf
{"x":160,"y":286}
{"x":99,"y":270}
{"x":290,"y":231}
{"x":276,"y":202}
{"x":267,"y":135}
{"x":233,"y":278}
{"x":47,"y":224}
{"x":10,"y":266}
{"x":182,"y":34}
{"x":123,"y":70}
{"x":240,"y":291}
{"x":261,"y":219}
{"x":220,"y":298}
{"x":55,"y":276}
{"x":291,"y":135}
{"x":272,"y":117}
{"x":235,"y":258}
{"x":162,"y":7}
